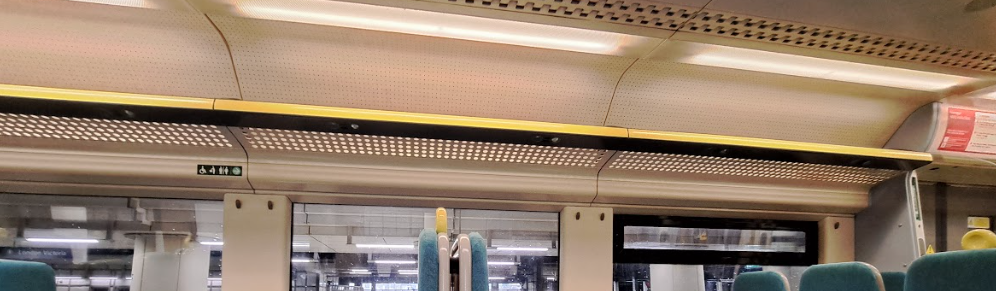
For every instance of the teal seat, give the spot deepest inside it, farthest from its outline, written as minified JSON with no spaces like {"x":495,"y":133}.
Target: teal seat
{"x":26,"y":276}
{"x":761,"y":281}
{"x":428,"y":261}
{"x":850,"y":276}
{"x":894,"y":280}
{"x":953,"y":271}
{"x":479,"y":263}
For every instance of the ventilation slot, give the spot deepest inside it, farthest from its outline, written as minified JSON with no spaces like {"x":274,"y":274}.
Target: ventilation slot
{"x":100,"y":130}
{"x":750,"y":168}
{"x":808,"y":36}
{"x":629,"y":13}
{"x":352,"y":144}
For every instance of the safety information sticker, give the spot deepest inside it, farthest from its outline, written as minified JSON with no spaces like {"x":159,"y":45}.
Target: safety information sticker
{"x":214,"y":170}
{"x":969,"y":131}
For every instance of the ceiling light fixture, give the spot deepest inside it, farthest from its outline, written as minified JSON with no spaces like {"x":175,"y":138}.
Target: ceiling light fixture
{"x":501,"y":263}
{"x":382,"y":246}
{"x":427,"y":23}
{"x":212,"y":243}
{"x":63,"y":240}
{"x":302,"y":261}
{"x":496,"y":278}
{"x":407,"y":272}
{"x":810,"y":67}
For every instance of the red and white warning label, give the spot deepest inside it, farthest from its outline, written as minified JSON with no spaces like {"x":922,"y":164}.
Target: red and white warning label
{"x":969,"y":131}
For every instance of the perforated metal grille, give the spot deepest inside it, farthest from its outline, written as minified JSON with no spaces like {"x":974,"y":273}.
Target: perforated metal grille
{"x":803,"y":35}
{"x":750,"y":168}
{"x":85,"y":129}
{"x":667,"y":16}
{"x":339,"y":143}
{"x":685,"y":18}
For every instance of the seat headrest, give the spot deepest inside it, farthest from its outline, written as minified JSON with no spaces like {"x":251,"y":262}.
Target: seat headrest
{"x":953,"y":271}
{"x":761,"y":281}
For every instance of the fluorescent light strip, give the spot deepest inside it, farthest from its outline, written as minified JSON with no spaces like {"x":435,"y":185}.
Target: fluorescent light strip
{"x":496,"y":278}
{"x":301,"y":244}
{"x":104,"y":278}
{"x":394,"y":262}
{"x":523,"y":249}
{"x":126,"y":3}
{"x":68,"y":278}
{"x":302,"y":261}
{"x":803,"y":66}
{"x":501,"y":263}
{"x":62,"y":240}
{"x":379,"y":246}
{"x":551,"y":278}
{"x":407,"y":272}
{"x":427,"y":23}
{"x":212,"y":243}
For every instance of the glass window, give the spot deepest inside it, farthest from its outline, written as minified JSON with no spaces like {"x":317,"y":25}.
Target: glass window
{"x":115,"y":244}
{"x":740,"y":240}
{"x":374,"y":248}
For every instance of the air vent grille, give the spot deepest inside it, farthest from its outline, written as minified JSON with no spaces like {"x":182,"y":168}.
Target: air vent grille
{"x":629,"y":12}
{"x":751,"y":168}
{"x":353,"y":144}
{"x":100,"y":130}
{"x":694,"y":19}
{"x":802,"y":35}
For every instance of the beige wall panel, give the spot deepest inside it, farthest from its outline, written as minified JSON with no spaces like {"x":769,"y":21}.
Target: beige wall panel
{"x":333,"y":66}
{"x":74,"y":45}
{"x":668,"y":96}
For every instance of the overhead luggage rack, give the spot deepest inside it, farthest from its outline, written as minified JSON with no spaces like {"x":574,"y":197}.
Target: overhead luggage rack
{"x":328,"y":151}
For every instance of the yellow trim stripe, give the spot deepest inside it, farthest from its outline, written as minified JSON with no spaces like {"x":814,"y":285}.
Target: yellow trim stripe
{"x":105,"y":97}
{"x":779,"y":144}
{"x":419,"y":118}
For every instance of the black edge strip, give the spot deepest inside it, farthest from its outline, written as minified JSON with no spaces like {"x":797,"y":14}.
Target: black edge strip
{"x":703,"y":257}
{"x":399,"y":129}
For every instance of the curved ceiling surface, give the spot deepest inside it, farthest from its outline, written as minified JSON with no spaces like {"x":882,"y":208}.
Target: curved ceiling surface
{"x":76,"y":45}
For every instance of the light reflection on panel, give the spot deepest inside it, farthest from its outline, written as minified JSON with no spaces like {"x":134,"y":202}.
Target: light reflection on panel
{"x":742,"y":240}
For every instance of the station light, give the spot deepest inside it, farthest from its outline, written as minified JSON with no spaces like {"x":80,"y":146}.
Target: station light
{"x":302,"y":261}
{"x":407,"y":272}
{"x":383,"y":246}
{"x":62,"y":240}
{"x":212,"y":243}
{"x":393,"y":262}
{"x":522,"y":249}
{"x":501,"y":263}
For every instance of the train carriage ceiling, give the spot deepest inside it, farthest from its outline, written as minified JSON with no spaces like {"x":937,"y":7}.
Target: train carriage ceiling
{"x":664,"y":71}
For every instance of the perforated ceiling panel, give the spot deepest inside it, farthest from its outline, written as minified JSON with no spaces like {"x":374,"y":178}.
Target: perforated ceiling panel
{"x":333,"y":66}
{"x":964,"y":23}
{"x":840,"y":40}
{"x":68,"y":44}
{"x":687,"y":98}
{"x":99,"y":130}
{"x":655,"y":14}
{"x":352,"y":144}
{"x":748,"y":168}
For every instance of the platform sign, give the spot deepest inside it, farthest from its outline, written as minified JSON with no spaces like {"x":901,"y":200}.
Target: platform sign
{"x":969,"y":131}
{"x":217,"y":170}
{"x":37,"y":254}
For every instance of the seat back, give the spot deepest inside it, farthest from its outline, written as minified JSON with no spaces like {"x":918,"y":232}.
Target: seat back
{"x":761,"y":281}
{"x":894,"y":280}
{"x":479,"y":262}
{"x":953,"y":271}
{"x":428,"y":261}
{"x":26,"y":276}
{"x":850,"y":276}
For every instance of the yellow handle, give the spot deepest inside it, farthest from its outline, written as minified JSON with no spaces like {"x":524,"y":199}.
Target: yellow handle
{"x":440,"y":220}
{"x":978,"y":239}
